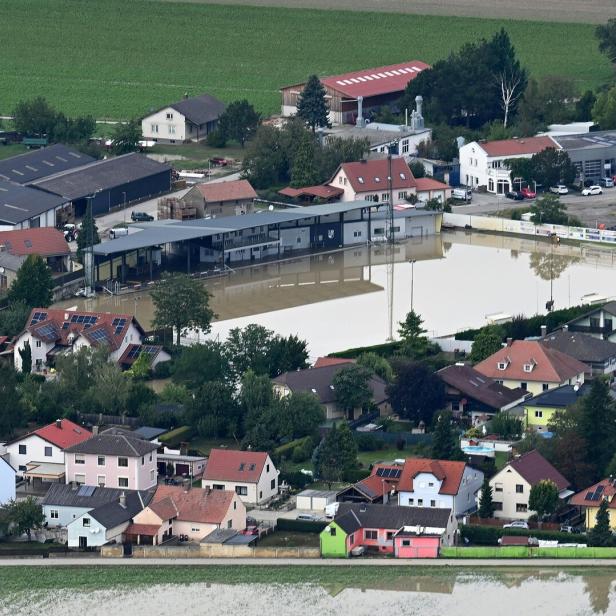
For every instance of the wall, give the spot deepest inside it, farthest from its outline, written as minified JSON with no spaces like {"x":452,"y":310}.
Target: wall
{"x":381,"y":543}
{"x":508,"y":478}
{"x":333,"y":546}
{"x":425,"y":489}
{"x":420,"y":547}
{"x":65,"y":514}
{"x":538,"y":423}
{"x":251,"y":488}
{"x":168,"y":129}
{"x":7,"y":483}
{"x":264,"y":488}
{"x":35,"y":452}
{"x":471,"y":482}
{"x":38,"y":347}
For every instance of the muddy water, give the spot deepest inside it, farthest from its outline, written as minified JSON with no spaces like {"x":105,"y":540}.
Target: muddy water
{"x":356,"y":297}
{"x":528,"y":593}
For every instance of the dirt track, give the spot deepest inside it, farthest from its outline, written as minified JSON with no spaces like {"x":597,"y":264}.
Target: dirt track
{"x":582,"y":11}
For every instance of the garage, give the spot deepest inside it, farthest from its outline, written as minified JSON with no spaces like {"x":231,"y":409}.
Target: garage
{"x":182,"y":469}
{"x":315,"y":500}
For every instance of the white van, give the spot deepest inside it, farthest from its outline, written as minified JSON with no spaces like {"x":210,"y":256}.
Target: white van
{"x":331,"y":510}
{"x":117,"y":232}
{"x":462,"y":193}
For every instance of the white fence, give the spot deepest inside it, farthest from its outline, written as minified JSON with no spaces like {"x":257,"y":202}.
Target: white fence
{"x":522,"y":227}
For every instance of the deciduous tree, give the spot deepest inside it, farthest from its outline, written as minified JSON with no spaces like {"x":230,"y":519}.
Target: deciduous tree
{"x":543,"y":498}
{"x":27,"y":515}
{"x":336,"y":454}
{"x":126,"y":137}
{"x":377,"y":364}
{"x":487,"y":342}
{"x":549,"y":210}
{"x":199,"y":363}
{"x":351,"y":388}
{"x":606,"y":35}
{"x":239,"y":121}
{"x":445,"y":442}
{"x":33,"y":285}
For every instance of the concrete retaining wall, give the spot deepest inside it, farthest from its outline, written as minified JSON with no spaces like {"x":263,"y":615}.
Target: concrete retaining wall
{"x":209,"y":550}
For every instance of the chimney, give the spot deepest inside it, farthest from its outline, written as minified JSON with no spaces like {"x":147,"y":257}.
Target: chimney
{"x":509,"y":341}
{"x":544,"y":331}
{"x":95,"y":430}
{"x":419,"y":103}
{"x":123,"y":500}
{"x":59,"y":424}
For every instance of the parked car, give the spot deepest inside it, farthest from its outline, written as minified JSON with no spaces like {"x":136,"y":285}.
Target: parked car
{"x":567,"y":528}
{"x":462,"y":193}
{"x":559,"y":189}
{"x":308,"y":517}
{"x":515,"y":195}
{"x":141,"y":217}
{"x":607,"y":182}
{"x":517,"y":524}
{"x":117,"y":232}
{"x":592,"y":190}
{"x":358,"y":550}
{"x":528,"y":193}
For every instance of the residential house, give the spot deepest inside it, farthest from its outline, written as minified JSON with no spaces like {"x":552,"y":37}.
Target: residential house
{"x":511,"y":486}
{"x":7,"y":482}
{"x":598,"y":355}
{"x":218,"y":199}
{"x":405,"y":532}
{"x":352,"y":95}
{"x":320,"y":382}
{"x":589,"y":499}
{"x":155,"y":353}
{"x":191,"y":514}
{"x":380,"y":486}
{"x":440,"y":484}
{"x":483,"y":163}
{"x":191,"y":119}
{"x":15,"y":246}
{"x":64,"y":503}
{"x":476,"y":396}
{"x":539,"y":410}
{"x":312,"y":194}
{"x":107,"y":523}
{"x":171,"y":462}
{"x":250,"y":474}
{"x":40,"y":454}
{"x":599,"y":322}
{"x":531,"y":366}
{"x":51,"y":332}
{"x":113,"y":461}
{"x":427,"y":189}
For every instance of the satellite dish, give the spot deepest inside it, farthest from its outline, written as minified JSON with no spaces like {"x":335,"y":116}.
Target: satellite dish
{"x":271,"y":208}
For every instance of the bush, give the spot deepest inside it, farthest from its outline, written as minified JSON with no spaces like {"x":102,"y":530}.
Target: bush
{"x":367,"y":442}
{"x":301,"y":526}
{"x":217,"y":139}
{"x":353,"y":475}
{"x":177,"y":436}
{"x":163,"y":370}
{"x":489,"y":535}
{"x":400,"y":444}
{"x":300,"y":454}
{"x":287,"y":450}
{"x":296,"y":480}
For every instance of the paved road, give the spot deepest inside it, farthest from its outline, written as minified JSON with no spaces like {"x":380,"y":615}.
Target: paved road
{"x":588,"y":11}
{"x":534,"y":563}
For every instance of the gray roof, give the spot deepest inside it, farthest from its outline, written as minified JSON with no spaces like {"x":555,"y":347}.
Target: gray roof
{"x":353,"y":516}
{"x":113,"y":445}
{"x":19,"y":203}
{"x":318,"y":381}
{"x":148,"y":432}
{"x":219,"y":535}
{"x":63,"y":495}
{"x":587,"y":141}
{"x":40,"y":163}
{"x":100,"y":175}
{"x":200,"y":109}
{"x":559,"y":397}
{"x":113,"y":513}
{"x":610,"y":308}
{"x":584,"y":347}
{"x":11,"y":262}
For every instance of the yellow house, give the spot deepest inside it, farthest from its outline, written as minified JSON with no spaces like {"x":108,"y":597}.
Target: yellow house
{"x":589,"y":500}
{"x":540,"y":409}
{"x":531,"y":366}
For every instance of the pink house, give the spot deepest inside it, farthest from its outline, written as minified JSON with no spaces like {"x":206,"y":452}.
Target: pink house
{"x":112,"y":460}
{"x":409,"y":544}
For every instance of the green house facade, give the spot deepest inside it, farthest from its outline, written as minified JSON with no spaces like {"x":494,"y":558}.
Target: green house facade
{"x":333,"y":541}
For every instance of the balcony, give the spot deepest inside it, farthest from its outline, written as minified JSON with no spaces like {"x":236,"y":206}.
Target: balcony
{"x":246,"y":242}
{"x":498,"y":174}
{"x":591,"y":329}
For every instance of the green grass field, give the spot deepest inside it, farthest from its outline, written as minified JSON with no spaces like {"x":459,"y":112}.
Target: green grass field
{"x":119,"y":59}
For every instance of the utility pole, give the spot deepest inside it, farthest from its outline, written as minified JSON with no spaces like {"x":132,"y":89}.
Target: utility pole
{"x":88,"y":256}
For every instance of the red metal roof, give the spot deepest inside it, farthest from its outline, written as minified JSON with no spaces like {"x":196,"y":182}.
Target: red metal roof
{"x":448,"y":472}
{"x":518,"y":147}
{"x":232,"y":465}
{"x":371,"y":175}
{"x":67,"y":435}
{"x":375,"y":81}
{"x":549,"y":365}
{"x":236,"y":190}
{"x":43,"y":241}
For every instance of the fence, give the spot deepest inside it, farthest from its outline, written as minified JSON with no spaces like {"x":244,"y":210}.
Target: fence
{"x":522,"y":227}
{"x":118,"y":420}
{"x":209,"y":550}
{"x":408,"y":437}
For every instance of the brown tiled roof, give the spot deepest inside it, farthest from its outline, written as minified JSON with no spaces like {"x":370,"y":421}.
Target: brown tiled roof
{"x":424,"y":184}
{"x":235,"y":465}
{"x":371,"y":175}
{"x":197,"y":504}
{"x":592,"y":497}
{"x":164,"y":508}
{"x":236,"y":190}
{"x":550,"y":366}
{"x":518,"y":147}
{"x":448,"y":472}
{"x":43,"y":241}
{"x":320,"y":191}
{"x":142,"y":529}
{"x":331,"y":361}
{"x":473,"y":384}
{"x":533,"y":467}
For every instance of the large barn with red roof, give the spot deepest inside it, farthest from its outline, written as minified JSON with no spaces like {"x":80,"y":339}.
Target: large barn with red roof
{"x":378,"y":87}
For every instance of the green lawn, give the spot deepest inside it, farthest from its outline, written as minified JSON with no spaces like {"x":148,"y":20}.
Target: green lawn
{"x":6,"y":151}
{"x":204,"y":445}
{"x":388,"y":455}
{"x":285,"y":539}
{"x":119,"y":59}
{"x":500,"y":459}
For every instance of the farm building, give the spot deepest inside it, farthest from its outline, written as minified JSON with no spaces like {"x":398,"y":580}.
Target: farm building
{"x":110,"y":182}
{"x":190,"y":119}
{"x":210,"y":243}
{"x":216,"y":199}
{"x":360,"y":93}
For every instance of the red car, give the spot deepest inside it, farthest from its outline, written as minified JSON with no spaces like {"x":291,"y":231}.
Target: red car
{"x":528,"y":193}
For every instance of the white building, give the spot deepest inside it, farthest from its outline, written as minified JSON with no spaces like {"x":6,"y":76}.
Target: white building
{"x":191,"y":119}
{"x":439,"y":483}
{"x":250,"y":474}
{"x":7,"y":482}
{"x":483,"y":163}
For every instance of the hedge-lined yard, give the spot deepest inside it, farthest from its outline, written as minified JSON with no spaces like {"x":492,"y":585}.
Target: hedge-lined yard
{"x":514,"y":551}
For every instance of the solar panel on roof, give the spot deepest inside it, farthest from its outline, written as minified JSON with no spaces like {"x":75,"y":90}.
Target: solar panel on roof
{"x":99,"y":335}
{"x":118,"y":330}
{"x":37,"y":317}
{"x":74,"y":318}
{"x":86,"y":490}
{"x":48,"y":331}
{"x":65,"y":325}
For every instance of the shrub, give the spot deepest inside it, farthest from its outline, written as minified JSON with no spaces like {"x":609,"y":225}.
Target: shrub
{"x":299,"y":454}
{"x":287,"y":450}
{"x":400,"y":444}
{"x":489,"y":535}
{"x":163,"y":370}
{"x":177,"y":436}
{"x":301,"y":526}
{"x":296,"y":480}
{"x":367,"y":442}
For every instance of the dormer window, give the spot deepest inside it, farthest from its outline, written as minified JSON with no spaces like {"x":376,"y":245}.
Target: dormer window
{"x":360,"y":179}
{"x":502,"y":365}
{"x":402,"y":176}
{"x":528,"y":367}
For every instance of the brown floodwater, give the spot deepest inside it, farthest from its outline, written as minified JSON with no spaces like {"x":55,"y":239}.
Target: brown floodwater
{"x":356,"y":297}
{"x":518,"y":592}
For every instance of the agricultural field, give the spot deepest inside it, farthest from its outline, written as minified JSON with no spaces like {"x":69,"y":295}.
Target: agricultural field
{"x":116,"y":59}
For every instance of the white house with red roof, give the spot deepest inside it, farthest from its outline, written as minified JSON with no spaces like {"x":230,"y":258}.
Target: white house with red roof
{"x":482,"y":163}
{"x":40,"y":454}
{"x":52,"y":332}
{"x":7,"y":482}
{"x":250,"y":474}
{"x":370,"y":88}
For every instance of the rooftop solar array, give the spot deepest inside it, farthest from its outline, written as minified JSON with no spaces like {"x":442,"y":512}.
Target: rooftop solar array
{"x":100,"y":335}
{"x":596,"y":495}
{"x":81,"y":318}
{"x":138,"y":349}
{"x":389,"y":473}
{"x":37,"y":317}
{"x":86,"y":490}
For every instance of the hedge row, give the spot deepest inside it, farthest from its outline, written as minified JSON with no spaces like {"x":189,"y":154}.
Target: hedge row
{"x":301,"y":526}
{"x":288,"y":448}
{"x":489,"y":535}
{"x":177,"y":436}
{"x":514,"y":551}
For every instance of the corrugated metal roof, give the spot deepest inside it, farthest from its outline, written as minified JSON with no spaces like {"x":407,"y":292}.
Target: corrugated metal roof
{"x":19,"y":203}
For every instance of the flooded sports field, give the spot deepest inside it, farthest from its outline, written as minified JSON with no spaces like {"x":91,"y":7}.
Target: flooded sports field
{"x":356,"y":297}
{"x":450,"y":592}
